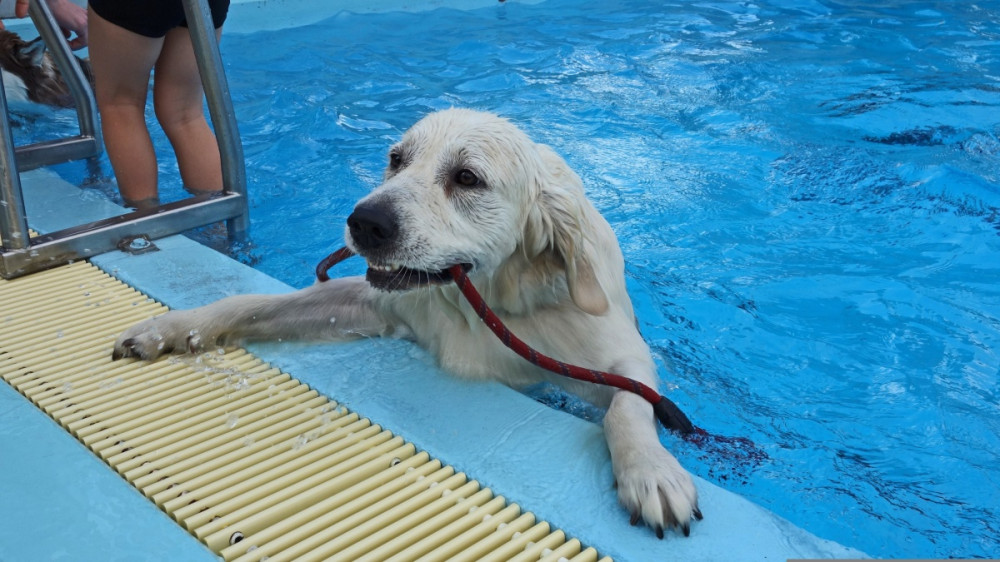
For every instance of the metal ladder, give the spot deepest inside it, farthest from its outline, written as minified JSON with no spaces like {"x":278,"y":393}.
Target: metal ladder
{"x":21,"y":254}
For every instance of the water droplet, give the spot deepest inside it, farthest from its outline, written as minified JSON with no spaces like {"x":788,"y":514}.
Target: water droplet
{"x":232,"y":420}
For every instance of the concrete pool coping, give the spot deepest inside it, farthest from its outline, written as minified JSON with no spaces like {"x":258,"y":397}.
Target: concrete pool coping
{"x":71,"y":505}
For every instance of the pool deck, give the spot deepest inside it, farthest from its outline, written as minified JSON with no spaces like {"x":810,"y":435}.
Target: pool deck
{"x":59,"y":501}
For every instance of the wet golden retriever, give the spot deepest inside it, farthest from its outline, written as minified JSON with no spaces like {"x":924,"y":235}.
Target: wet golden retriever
{"x":469,"y":188}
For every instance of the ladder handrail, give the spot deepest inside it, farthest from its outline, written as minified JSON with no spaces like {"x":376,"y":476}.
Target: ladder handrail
{"x":20,"y":255}
{"x":88,"y":142}
{"x":13,"y":219}
{"x":83,"y":95}
{"x":13,"y":222}
{"x":220,"y":107}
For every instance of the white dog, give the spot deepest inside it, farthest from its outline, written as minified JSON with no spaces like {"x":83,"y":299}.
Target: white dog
{"x":469,"y":188}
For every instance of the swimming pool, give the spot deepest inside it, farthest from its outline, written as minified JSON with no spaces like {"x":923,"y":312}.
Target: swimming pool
{"x":806,"y":194}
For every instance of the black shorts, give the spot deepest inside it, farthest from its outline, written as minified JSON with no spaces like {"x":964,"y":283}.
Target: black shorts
{"x":153,"y":18}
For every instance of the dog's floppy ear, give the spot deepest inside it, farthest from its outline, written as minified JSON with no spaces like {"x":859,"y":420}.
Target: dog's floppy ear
{"x":555,"y":225}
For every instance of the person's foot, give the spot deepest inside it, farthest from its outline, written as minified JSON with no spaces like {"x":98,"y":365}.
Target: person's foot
{"x":142,"y":204}
{"x":195,"y":191}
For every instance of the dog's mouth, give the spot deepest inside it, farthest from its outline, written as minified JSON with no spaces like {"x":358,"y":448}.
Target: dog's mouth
{"x":399,"y":278}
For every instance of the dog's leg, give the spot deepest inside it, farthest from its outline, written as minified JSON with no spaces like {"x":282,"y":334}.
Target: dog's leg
{"x":652,"y":485}
{"x":336,"y":309}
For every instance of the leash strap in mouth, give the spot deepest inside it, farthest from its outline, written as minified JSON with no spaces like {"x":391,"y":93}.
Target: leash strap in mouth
{"x":330,"y":261}
{"x":666,"y":411}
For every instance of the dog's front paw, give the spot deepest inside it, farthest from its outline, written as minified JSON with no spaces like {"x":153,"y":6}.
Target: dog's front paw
{"x":654,"y":487}
{"x":167,"y":333}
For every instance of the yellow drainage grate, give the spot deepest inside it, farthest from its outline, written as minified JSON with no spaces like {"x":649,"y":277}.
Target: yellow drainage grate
{"x":249,"y":460}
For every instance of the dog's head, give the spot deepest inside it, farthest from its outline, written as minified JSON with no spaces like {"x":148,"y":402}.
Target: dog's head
{"x":469,"y":188}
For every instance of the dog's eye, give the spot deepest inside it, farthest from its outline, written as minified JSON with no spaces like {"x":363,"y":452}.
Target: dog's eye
{"x":466,"y":178}
{"x":395,"y":160}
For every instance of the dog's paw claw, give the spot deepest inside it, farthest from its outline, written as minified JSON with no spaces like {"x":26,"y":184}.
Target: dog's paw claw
{"x":654,"y":488}
{"x":158,"y":336}
{"x":124,"y":349}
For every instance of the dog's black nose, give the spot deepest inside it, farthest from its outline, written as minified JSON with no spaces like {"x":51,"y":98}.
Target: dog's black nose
{"x":372,"y":226}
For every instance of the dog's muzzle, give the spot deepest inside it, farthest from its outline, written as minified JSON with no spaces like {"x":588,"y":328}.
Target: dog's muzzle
{"x":374,"y":229}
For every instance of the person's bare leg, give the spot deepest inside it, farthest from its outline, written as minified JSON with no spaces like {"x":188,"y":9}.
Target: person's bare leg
{"x":177,"y":97}
{"x":121,"y":62}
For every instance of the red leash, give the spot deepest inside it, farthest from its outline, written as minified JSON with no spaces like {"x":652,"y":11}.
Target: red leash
{"x":666,"y":411}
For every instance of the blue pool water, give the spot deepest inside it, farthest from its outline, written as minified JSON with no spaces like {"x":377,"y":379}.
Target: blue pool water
{"x":807,"y":194}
